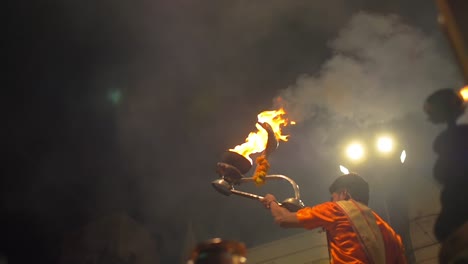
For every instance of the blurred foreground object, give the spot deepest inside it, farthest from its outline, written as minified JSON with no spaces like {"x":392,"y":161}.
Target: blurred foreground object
{"x":455,"y":248}
{"x":454,"y":22}
{"x":451,"y":171}
{"x":218,"y":251}
{"x":451,"y":145}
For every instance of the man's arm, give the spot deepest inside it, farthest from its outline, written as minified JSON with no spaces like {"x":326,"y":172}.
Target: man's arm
{"x":282,"y":216}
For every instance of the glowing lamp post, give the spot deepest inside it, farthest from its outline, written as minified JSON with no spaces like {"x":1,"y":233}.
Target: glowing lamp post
{"x":355,"y":151}
{"x":385,"y":144}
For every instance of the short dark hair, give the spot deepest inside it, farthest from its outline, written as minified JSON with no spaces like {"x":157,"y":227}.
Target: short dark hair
{"x":356,"y":186}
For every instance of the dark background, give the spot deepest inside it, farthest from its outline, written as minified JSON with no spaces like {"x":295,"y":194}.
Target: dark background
{"x":127,"y":106}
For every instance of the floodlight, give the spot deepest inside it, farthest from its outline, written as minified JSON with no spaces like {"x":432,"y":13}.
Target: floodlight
{"x":355,"y":151}
{"x":385,"y":144}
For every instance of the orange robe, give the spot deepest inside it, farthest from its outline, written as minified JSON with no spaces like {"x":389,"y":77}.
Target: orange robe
{"x":344,"y":243}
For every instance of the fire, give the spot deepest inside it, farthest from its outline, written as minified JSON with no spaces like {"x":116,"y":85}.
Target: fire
{"x":256,"y":141}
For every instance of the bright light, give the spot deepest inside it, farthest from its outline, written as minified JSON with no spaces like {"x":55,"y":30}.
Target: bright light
{"x":403,"y":156}
{"x":464,"y":93}
{"x":344,"y":170}
{"x":355,"y":151}
{"x":385,"y":144}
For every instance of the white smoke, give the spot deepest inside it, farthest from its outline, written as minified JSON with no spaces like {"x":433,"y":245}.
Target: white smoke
{"x":381,"y":69}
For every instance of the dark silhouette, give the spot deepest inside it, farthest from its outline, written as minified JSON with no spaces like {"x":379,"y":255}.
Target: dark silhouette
{"x":451,"y":166}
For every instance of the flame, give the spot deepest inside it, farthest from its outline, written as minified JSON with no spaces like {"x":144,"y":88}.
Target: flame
{"x":256,"y":141}
{"x":464,"y":93}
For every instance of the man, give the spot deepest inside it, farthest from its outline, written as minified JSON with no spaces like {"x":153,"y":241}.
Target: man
{"x":451,"y":171}
{"x":355,"y":233}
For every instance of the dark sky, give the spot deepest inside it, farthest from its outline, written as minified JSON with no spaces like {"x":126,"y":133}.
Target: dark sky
{"x":128,"y":105}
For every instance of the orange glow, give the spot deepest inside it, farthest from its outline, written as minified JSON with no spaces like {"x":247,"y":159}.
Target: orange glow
{"x":256,"y":141}
{"x":464,"y":93}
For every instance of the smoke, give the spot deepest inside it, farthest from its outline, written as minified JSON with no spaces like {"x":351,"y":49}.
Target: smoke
{"x":381,"y":70}
{"x":178,"y":120}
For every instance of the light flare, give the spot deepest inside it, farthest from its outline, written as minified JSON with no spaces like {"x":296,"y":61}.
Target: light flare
{"x":403,"y":156}
{"x":344,"y":170}
{"x":464,"y":93}
{"x":355,"y":151}
{"x":385,"y":144}
{"x":256,"y":141}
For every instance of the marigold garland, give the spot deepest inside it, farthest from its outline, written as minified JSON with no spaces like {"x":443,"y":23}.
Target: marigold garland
{"x":261,"y":170}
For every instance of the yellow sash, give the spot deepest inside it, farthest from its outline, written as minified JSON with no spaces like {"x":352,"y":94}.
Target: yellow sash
{"x":365,"y":225}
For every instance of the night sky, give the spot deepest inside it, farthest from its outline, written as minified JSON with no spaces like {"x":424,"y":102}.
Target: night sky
{"x":128,"y":105}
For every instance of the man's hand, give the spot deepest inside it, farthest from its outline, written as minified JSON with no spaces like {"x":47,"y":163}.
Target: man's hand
{"x":282,"y":216}
{"x":267,"y":200}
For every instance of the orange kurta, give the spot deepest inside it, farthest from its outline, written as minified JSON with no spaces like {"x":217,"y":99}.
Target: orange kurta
{"x":343,"y":241}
